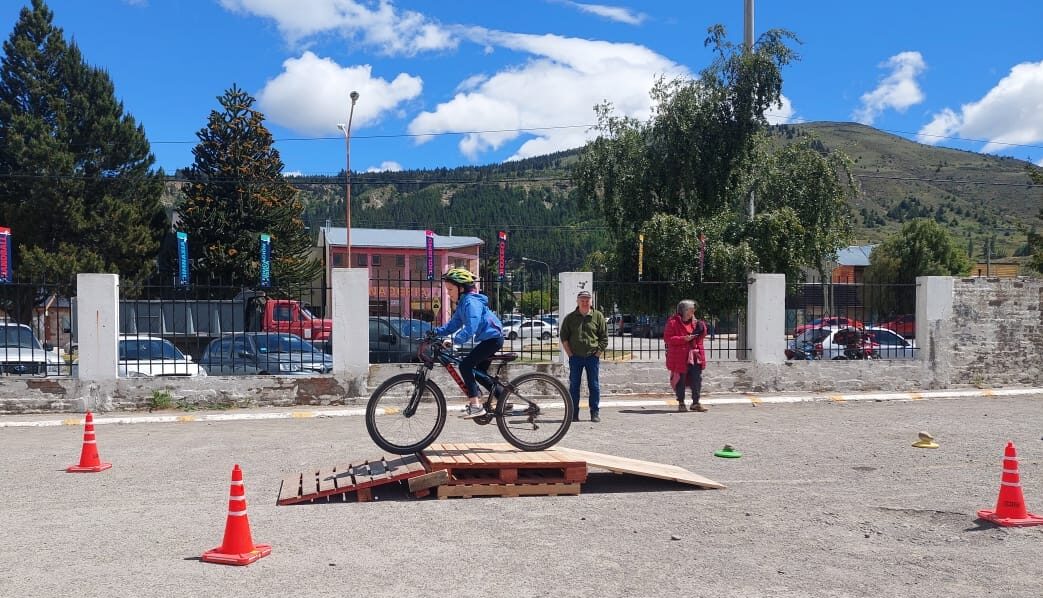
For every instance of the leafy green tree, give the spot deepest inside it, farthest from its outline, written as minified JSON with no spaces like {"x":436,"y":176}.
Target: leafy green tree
{"x":76,"y":187}
{"x":922,"y":247}
{"x":534,"y":302}
{"x":1035,"y":241}
{"x":236,"y":192}
{"x":691,"y":168}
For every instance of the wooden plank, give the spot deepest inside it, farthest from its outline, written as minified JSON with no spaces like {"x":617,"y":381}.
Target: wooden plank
{"x":428,"y":480}
{"x":290,"y":491}
{"x":641,"y":468}
{"x":507,"y":490}
{"x":327,"y":481}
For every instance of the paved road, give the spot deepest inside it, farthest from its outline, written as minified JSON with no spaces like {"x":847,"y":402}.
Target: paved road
{"x":829,"y":500}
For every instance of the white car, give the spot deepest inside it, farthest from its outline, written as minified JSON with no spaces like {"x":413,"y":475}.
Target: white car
{"x":149,"y":356}
{"x":534,"y":329}
{"x":21,"y":353}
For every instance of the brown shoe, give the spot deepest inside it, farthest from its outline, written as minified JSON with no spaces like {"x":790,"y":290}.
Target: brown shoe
{"x":698,"y":407}
{"x":681,"y":407}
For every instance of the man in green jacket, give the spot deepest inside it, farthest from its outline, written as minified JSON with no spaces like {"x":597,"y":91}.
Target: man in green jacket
{"x":584,"y":337}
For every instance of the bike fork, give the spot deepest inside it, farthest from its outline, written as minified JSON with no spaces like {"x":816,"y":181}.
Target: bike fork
{"x":418,"y":392}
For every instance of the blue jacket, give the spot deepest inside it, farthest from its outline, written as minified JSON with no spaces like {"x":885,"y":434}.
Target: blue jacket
{"x":473,"y":319}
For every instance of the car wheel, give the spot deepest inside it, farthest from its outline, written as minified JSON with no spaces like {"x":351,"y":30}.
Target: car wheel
{"x":512,"y":336}
{"x":545,"y":336}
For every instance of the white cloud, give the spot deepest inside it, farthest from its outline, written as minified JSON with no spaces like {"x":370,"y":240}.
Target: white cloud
{"x":898,"y":90}
{"x":389,"y":30}
{"x":1010,"y":113}
{"x":612,"y":13}
{"x":386,"y":166}
{"x":783,"y":115}
{"x":559,"y":86}
{"x":311,"y":94}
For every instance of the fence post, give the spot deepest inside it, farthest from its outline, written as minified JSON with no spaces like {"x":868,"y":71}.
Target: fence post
{"x":350,"y":290}
{"x":569,"y":285}
{"x":766,"y":317}
{"x":97,"y":328}
{"x":934,"y":304}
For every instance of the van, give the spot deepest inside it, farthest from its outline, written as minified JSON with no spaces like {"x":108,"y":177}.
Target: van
{"x":619,"y":324}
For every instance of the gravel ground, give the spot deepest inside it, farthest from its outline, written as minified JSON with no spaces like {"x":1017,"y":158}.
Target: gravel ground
{"x":829,"y":500}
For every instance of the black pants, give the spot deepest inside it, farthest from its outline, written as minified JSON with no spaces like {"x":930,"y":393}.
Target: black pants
{"x":695,"y":380}
{"x":478,"y":358}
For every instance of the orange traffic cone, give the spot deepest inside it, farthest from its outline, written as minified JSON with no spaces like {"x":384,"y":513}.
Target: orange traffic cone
{"x":1010,"y":506}
{"x":238,"y":546}
{"x":89,"y":460}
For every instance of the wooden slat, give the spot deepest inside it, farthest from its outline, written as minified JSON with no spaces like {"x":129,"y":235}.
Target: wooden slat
{"x":290,"y":489}
{"x":428,"y":480}
{"x":511,"y":490}
{"x":642,"y":468}
{"x":327,"y":481}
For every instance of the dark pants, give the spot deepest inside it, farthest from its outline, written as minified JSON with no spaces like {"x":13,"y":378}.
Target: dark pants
{"x":577,"y":365}
{"x":695,"y":380}
{"x":478,"y":358}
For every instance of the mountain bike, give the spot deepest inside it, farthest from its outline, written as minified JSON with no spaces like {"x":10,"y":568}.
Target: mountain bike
{"x":407,"y":412}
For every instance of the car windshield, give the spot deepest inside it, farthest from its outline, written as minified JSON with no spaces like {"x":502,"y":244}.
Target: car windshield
{"x":146,"y":349}
{"x":283,"y":343}
{"x":19,"y":337}
{"x":412,"y":328}
{"x":814,"y":335}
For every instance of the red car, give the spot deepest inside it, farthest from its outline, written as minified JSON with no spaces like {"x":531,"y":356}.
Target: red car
{"x":903,"y":325}
{"x":828,"y":322}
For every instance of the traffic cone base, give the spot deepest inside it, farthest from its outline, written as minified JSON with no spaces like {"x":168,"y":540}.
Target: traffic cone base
{"x":90,"y":462}
{"x":216,"y":556}
{"x":1026,"y":521}
{"x":88,"y":469}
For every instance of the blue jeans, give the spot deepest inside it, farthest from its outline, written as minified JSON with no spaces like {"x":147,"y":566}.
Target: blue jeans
{"x":577,"y":365}
{"x":478,"y":358}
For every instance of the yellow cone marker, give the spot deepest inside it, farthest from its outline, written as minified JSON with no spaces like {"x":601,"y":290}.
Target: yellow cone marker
{"x":925,"y":441}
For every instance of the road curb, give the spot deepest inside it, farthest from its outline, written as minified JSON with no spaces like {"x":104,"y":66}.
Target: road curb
{"x":651,"y":401}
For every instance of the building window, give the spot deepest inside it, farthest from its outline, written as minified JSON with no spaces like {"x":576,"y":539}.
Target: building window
{"x":361,"y":259}
{"x":376,"y":260}
{"x":400,"y":261}
{"x":338,"y":260}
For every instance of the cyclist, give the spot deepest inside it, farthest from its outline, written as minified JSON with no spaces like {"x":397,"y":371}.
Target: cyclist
{"x":472,"y":319}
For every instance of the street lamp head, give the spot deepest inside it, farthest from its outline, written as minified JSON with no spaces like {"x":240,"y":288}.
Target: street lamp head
{"x":354,"y":97}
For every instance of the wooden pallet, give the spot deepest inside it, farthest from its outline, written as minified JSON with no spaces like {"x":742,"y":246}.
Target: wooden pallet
{"x":472,"y":490}
{"x":358,"y":477}
{"x":502,"y":464}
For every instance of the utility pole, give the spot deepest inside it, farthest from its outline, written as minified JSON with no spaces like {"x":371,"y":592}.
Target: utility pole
{"x":747,"y":43}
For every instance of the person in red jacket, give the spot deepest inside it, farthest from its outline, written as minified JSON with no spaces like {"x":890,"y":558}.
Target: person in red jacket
{"x":685,"y":356}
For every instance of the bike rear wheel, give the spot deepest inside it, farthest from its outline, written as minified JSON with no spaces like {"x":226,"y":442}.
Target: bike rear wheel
{"x":403,"y":417}
{"x":540,"y":412}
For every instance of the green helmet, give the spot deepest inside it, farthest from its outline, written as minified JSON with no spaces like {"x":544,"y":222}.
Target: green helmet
{"x":460,"y":276}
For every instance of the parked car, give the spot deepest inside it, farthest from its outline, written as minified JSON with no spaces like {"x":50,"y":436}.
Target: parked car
{"x":394,"y":339}
{"x":828,"y":322}
{"x":532,"y":329}
{"x":649,"y":326}
{"x":835,"y":343}
{"x":619,"y":324}
{"x":150,"y":356}
{"x":21,"y":354}
{"x":904,"y":325}
{"x":246,"y":353}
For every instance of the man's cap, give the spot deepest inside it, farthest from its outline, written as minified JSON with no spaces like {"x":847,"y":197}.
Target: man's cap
{"x":583,"y":294}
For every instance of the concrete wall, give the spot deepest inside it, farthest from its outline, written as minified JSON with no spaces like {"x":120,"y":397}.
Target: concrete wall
{"x":975,"y":331}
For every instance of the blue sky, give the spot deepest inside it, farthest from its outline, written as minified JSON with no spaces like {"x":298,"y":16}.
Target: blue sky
{"x":452,"y":82}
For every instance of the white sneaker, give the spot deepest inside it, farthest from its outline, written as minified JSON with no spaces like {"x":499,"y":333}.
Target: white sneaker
{"x":473,"y":411}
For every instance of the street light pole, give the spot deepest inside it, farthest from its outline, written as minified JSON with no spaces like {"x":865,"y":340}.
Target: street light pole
{"x":525,"y":259}
{"x":346,"y":129}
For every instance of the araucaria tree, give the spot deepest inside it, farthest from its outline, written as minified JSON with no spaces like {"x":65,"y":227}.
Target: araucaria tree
{"x":75,"y":181}
{"x":236,"y":192}
{"x":691,"y":168}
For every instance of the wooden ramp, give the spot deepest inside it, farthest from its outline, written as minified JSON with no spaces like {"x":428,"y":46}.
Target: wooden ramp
{"x":636,"y":467}
{"x":502,"y":470}
{"x":357,"y":477}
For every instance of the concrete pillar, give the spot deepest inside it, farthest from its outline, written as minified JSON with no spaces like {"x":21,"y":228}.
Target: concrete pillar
{"x":934,"y":303}
{"x":97,"y":326}
{"x":350,"y":287}
{"x":569,"y":285}
{"x":766,"y":317}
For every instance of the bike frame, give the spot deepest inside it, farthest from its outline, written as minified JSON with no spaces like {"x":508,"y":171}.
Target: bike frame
{"x":451,"y":362}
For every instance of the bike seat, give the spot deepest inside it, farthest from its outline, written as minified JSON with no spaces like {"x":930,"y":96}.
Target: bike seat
{"x":504,"y":357}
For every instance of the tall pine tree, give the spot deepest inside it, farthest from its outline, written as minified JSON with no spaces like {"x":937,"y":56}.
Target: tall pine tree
{"x":235,"y":192}
{"x":75,"y":181}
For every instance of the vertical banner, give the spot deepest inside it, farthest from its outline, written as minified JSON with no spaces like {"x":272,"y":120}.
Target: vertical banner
{"x":702,"y":254}
{"x":182,"y":260}
{"x":501,"y":265}
{"x":430,"y":237}
{"x":640,"y":256}
{"x":266,"y":261}
{"x":5,"y":255}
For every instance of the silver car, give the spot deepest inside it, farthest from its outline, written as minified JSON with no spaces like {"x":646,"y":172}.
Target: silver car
{"x":833,"y":343}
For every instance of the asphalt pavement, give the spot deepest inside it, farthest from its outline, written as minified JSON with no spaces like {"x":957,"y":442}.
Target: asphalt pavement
{"x":829,"y":499}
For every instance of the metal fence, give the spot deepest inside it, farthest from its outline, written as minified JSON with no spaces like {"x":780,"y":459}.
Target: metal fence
{"x":884,"y":312}
{"x":37,"y":329}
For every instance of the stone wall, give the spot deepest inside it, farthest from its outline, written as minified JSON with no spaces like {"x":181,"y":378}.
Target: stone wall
{"x":992,"y":338}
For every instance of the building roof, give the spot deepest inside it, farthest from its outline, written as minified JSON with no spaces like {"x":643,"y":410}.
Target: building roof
{"x":393,"y":238}
{"x":854,"y":255}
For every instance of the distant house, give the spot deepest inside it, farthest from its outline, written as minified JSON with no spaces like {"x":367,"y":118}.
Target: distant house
{"x":397,"y":261}
{"x":848,"y":266}
{"x":996,"y":269}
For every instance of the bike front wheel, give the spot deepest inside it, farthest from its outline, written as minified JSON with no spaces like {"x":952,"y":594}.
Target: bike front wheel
{"x":404,"y":416}
{"x":535,"y":412}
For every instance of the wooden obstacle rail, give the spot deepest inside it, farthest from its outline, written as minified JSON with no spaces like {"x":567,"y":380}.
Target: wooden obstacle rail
{"x":359,"y":478}
{"x":501,"y":470}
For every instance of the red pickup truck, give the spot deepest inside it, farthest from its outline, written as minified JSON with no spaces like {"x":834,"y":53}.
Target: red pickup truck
{"x":288,"y":315}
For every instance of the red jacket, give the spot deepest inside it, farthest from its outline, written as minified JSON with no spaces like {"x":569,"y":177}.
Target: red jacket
{"x":677,"y":347}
